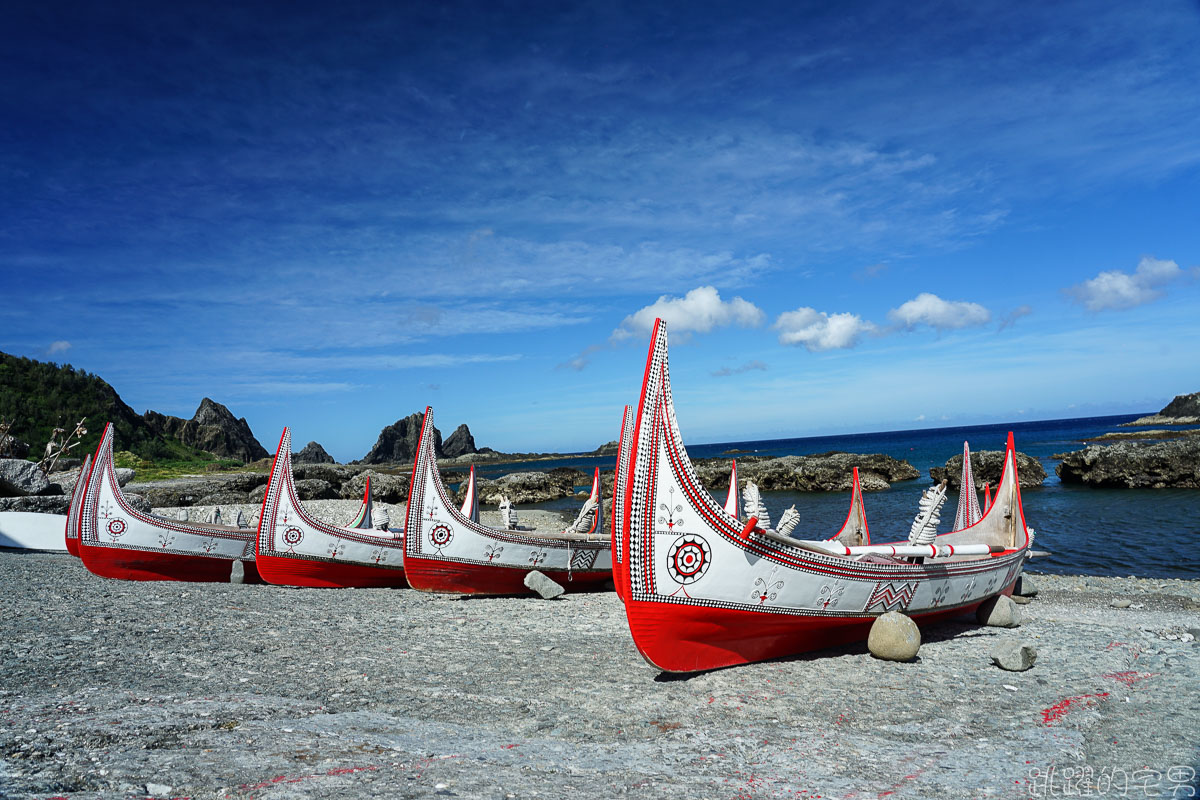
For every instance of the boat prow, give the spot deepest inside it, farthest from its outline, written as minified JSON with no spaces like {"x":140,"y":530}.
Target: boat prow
{"x":293,"y":548}
{"x":620,"y":498}
{"x":854,"y":532}
{"x":470,"y":503}
{"x":118,"y":541}
{"x":71,"y":533}
{"x":446,"y":552}
{"x":705,"y":592}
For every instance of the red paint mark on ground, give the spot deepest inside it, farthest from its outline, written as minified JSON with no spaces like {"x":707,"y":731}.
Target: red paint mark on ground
{"x":508,"y":746}
{"x":1059,"y":710}
{"x":1129,"y":678}
{"x":298,"y":778}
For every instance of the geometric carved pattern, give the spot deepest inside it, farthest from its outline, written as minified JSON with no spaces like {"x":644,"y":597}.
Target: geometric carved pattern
{"x":888,"y":596}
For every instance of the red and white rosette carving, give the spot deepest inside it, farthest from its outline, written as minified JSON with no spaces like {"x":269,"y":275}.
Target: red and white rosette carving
{"x":688,"y":559}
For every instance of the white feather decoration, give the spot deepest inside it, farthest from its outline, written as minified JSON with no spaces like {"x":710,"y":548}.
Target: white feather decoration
{"x":583,"y":523}
{"x":788,"y":521}
{"x":925,"y":525}
{"x":754,"y":507}
{"x":380,"y":518}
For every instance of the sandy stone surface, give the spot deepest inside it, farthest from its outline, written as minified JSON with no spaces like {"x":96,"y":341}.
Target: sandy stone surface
{"x":115,"y":689}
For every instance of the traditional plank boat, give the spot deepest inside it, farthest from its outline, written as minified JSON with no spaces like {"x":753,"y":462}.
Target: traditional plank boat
{"x":470,"y":503}
{"x":118,"y":541}
{"x":295,"y":549}
{"x":733,"y":505}
{"x":620,"y":498}
{"x":705,"y":591}
{"x":71,"y":533}
{"x":446,"y":552}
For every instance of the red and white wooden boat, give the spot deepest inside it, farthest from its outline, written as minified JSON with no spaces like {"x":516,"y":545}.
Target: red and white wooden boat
{"x":470,"y":503}
{"x":118,"y":541}
{"x":705,"y":591}
{"x":295,"y":549}
{"x":446,"y":552}
{"x":733,"y":503}
{"x":620,"y":497}
{"x":72,"y":530}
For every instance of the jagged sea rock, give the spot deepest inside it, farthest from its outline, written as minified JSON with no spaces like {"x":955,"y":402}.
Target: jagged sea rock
{"x":397,"y":443}
{"x":139,"y":503}
{"x":333,"y":473}
{"x":124,"y":475}
{"x":1183,"y":410}
{"x":459,"y":443}
{"x":1135,"y":465}
{"x":823,"y":472}
{"x":312,"y":453}
{"x":213,"y":428}
{"x":315,"y":489}
{"x":986,"y":466}
{"x":20,"y":478}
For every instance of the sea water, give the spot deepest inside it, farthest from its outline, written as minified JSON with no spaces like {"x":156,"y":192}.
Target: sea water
{"x":1143,"y":532}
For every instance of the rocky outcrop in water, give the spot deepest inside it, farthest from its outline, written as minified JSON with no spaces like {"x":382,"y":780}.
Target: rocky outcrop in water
{"x":1135,"y":465}
{"x":823,"y":472}
{"x":459,"y":443}
{"x":531,"y":487}
{"x":312,"y":453}
{"x":986,"y":467}
{"x":212,"y":429}
{"x":1183,"y":410}
{"x":397,"y":443}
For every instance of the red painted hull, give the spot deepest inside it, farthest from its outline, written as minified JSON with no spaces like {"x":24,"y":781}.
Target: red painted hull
{"x":685,"y":638}
{"x":147,"y":565}
{"x":285,"y":571}
{"x":73,"y":546}
{"x":432,"y":575}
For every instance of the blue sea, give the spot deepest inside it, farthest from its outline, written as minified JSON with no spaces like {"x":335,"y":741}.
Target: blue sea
{"x":1143,"y":532}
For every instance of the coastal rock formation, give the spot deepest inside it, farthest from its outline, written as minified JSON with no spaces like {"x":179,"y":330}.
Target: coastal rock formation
{"x":823,"y":472}
{"x":312,"y":453}
{"x":40,"y":504}
{"x":212,"y":429}
{"x":397,"y":443}
{"x":459,"y":443}
{"x":12,"y":447}
{"x":384,"y":488}
{"x":1135,"y":465}
{"x":531,"y":487}
{"x":20,"y":478}
{"x":986,"y":467}
{"x":1183,"y":410}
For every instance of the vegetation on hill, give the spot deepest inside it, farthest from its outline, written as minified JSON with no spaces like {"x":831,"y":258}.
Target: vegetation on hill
{"x":38,"y":396}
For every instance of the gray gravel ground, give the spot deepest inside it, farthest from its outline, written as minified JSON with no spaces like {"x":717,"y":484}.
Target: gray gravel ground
{"x":119,"y":689}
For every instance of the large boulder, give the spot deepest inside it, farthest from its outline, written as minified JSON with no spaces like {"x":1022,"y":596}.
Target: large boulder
{"x":1135,"y":465}
{"x":986,"y":467}
{"x":823,"y":472}
{"x":334,"y":473}
{"x":459,"y":443}
{"x":384,"y":488}
{"x":12,"y":447}
{"x":397,"y":443}
{"x":312,"y":453}
{"x":40,"y":504}
{"x":314,"y":489}
{"x":213,"y":428}
{"x":20,"y":478}
{"x":531,"y":487}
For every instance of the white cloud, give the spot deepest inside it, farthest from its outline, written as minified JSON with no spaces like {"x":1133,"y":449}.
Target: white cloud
{"x":725,"y":372}
{"x":1011,"y":317}
{"x":60,"y":346}
{"x":817,"y":331}
{"x":1116,"y":290}
{"x":929,"y":309}
{"x":699,"y":311}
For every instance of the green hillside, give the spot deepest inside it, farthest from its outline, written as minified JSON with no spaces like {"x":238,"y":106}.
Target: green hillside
{"x":39,"y":396}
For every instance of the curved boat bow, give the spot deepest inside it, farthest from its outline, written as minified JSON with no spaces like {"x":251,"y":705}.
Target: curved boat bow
{"x":703,"y":591}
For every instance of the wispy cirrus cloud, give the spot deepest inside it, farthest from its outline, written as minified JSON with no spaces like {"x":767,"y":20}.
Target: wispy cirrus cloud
{"x":741,"y":369}
{"x":1114,"y":290}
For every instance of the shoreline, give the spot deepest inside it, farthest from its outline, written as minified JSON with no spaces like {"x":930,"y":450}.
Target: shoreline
{"x":216,"y":691}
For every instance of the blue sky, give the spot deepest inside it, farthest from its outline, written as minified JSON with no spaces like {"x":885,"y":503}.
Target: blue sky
{"x":856,"y":216}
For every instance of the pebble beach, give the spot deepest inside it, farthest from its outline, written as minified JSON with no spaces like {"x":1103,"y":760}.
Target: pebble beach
{"x":113,"y":689}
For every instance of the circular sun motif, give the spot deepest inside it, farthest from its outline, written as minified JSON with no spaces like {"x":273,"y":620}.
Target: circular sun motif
{"x":116,"y":527}
{"x":293,"y":537}
{"x":688,"y":559}
{"x":440,"y":535}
